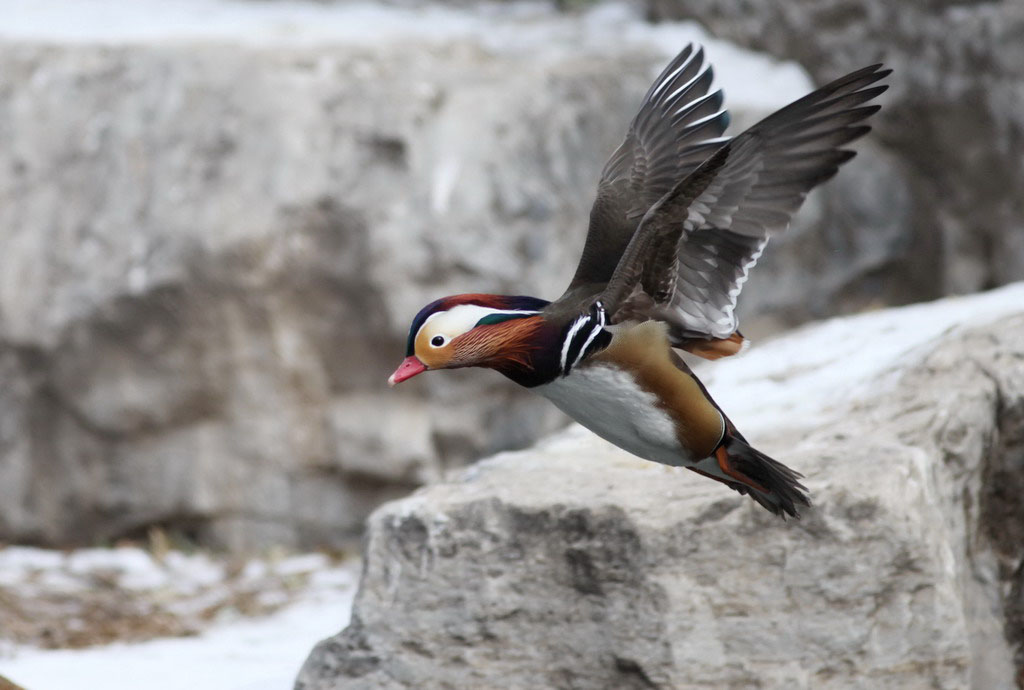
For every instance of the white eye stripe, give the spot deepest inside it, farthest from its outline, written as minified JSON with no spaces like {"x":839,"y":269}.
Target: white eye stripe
{"x":463,"y":318}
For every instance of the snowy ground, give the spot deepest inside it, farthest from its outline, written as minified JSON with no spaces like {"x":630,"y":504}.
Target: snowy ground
{"x":232,"y":647}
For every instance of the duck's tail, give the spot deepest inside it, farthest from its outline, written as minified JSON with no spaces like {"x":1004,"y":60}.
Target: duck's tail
{"x":751,"y":472}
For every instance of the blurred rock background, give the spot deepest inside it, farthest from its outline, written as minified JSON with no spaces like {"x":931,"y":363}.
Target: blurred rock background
{"x":217,"y":219}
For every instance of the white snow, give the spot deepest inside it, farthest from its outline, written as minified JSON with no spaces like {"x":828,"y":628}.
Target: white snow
{"x":261,"y":654}
{"x":811,"y":374}
{"x":235,"y":653}
{"x":131,"y":568}
{"x":751,"y":80}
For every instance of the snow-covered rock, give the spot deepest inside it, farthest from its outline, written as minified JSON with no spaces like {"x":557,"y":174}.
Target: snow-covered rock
{"x":572,"y":564}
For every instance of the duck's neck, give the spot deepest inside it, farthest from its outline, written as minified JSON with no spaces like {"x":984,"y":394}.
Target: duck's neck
{"x":525,"y":350}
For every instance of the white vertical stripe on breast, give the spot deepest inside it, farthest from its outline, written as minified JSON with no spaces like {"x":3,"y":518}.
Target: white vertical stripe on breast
{"x":576,"y":326}
{"x":593,"y":334}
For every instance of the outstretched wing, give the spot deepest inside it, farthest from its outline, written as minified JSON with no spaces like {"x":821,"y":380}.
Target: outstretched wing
{"x":678,"y":126}
{"x":687,"y":261}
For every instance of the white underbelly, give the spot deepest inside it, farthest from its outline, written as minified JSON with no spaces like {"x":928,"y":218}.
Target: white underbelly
{"x":608,"y":401}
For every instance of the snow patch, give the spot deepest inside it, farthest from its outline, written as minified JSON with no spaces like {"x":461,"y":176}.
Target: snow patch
{"x":263,"y":654}
{"x":235,"y":651}
{"x":808,"y":376}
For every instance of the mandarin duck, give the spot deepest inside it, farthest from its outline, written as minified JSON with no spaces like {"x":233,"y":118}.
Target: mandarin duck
{"x":682,"y":214}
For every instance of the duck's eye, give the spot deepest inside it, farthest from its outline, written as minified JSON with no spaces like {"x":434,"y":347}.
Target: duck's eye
{"x":437,"y":340}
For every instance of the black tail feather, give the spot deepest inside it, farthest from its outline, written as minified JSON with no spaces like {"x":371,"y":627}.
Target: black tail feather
{"x":773,"y":485}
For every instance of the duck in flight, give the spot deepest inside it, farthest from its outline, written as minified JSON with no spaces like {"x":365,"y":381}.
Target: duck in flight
{"x":682,"y":214}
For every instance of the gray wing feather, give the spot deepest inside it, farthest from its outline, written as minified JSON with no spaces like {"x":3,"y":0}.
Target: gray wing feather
{"x":694,"y":248}
{"x":710,"y":275}
{"x":679,"y":124}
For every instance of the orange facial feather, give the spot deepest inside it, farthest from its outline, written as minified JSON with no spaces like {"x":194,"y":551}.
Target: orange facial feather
{"x":508,"y":341}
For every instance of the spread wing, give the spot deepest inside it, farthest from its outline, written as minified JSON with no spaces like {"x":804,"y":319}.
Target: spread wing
{"x":678,"y":126}
{"x":687,"y":261}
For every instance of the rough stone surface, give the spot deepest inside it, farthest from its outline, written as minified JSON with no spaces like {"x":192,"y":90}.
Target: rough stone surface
{"x":208,"y":263}
{"x":572,"y":565}
{"x":939,"y":211}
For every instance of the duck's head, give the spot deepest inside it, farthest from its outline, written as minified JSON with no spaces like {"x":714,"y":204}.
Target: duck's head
{"x":470,"y":331}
